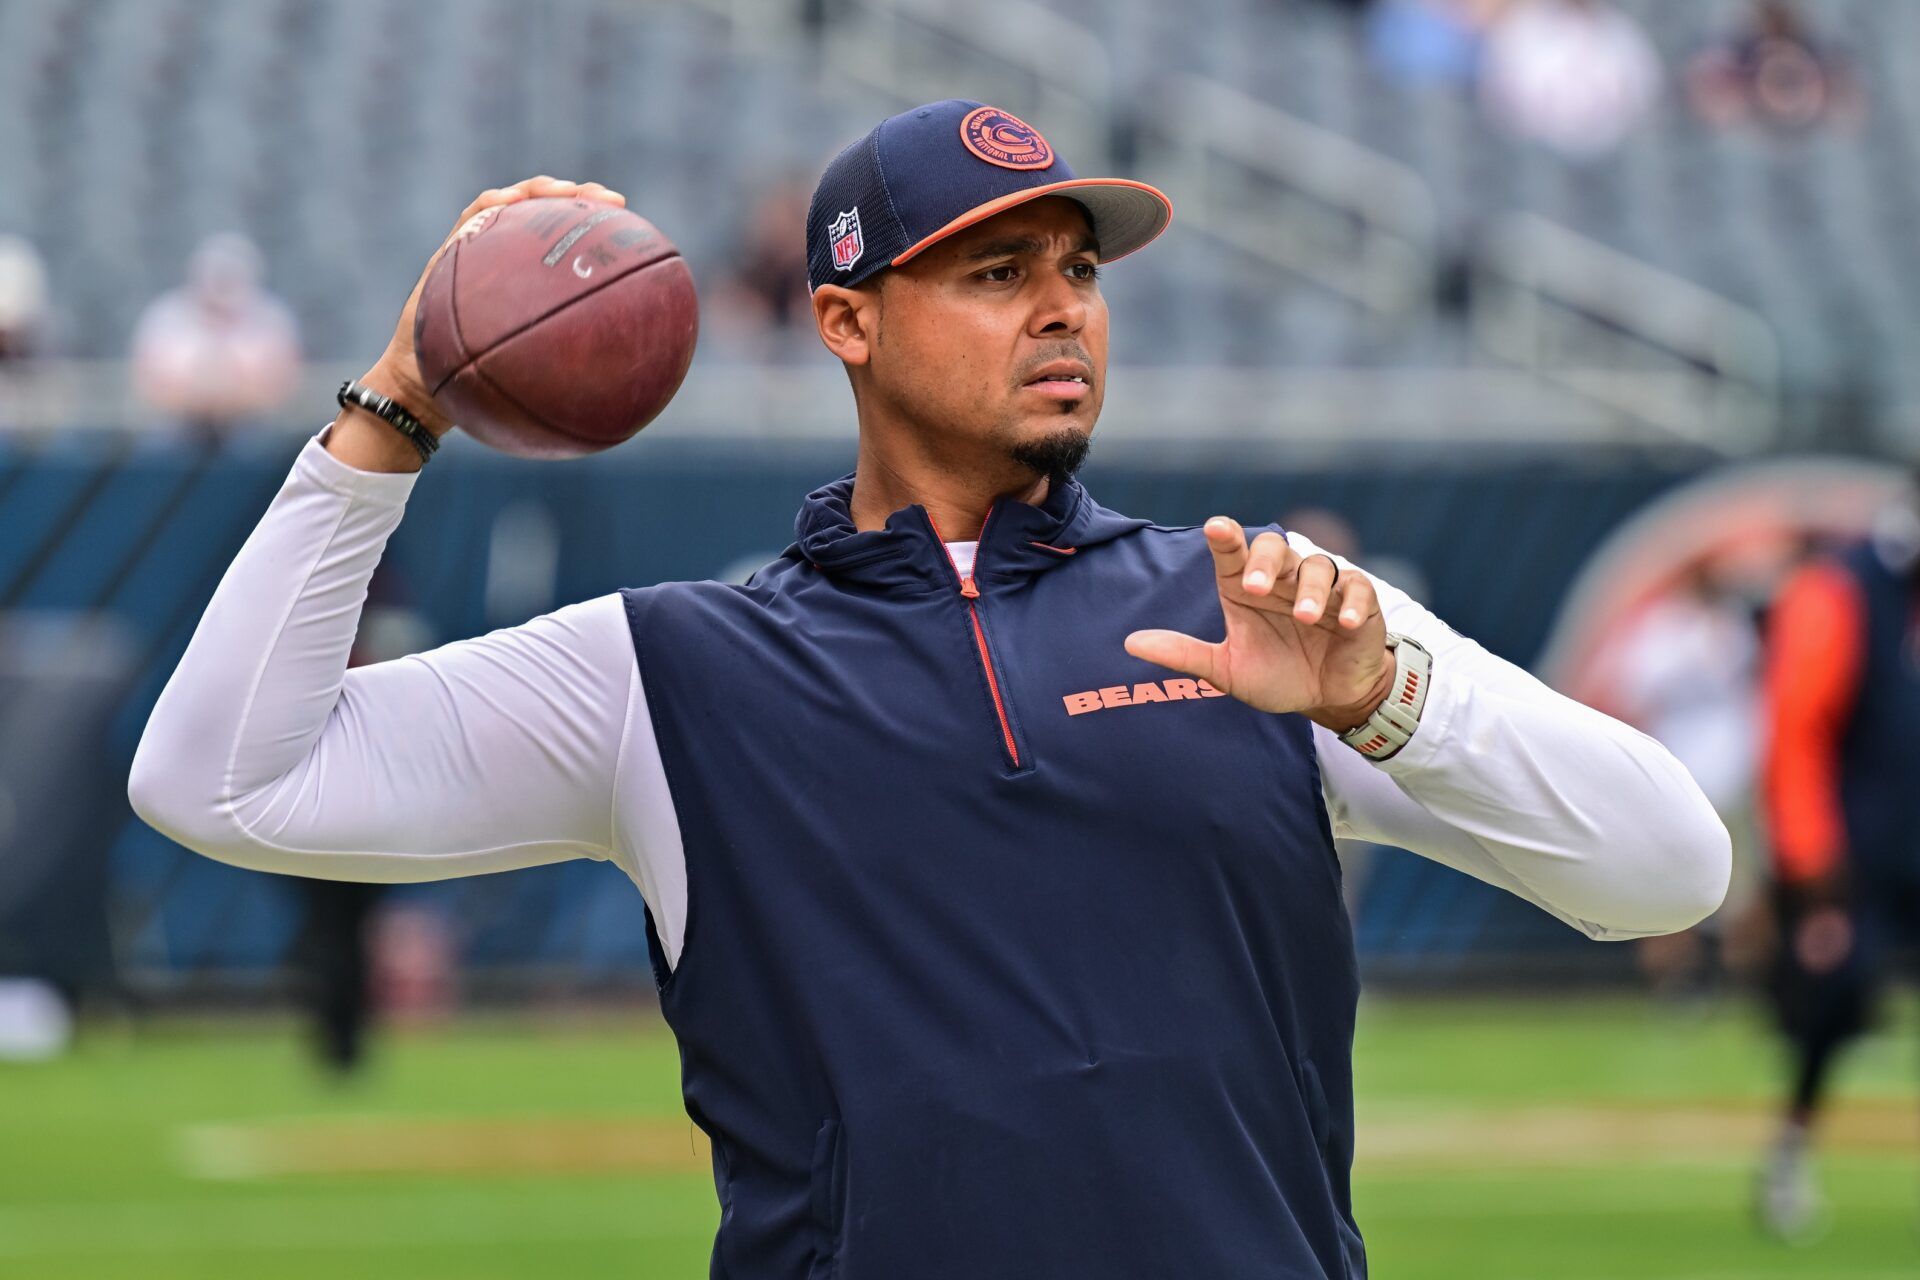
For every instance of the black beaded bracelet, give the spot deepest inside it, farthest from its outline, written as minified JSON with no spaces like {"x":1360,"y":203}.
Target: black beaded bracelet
{"x":365,"y":397}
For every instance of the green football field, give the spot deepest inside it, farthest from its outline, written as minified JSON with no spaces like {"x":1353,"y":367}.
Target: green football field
{"x":1499,"y":1140}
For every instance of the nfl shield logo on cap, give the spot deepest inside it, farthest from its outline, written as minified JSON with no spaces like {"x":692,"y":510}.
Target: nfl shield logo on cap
{"x":844,"y":234}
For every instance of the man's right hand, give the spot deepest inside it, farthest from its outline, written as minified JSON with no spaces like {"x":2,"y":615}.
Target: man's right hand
{"x":361,"y":440}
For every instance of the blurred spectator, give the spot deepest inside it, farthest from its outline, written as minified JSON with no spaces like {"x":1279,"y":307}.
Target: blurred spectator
{"x":1774,"y":74}
{"x":23,"y":300}
{"x":1429,"y":42}
{"x":1331,"y":531}
{"x":1686,"y":672}
{"x":1328,"y":530}
{"x":763,"y":303}
{"x":1577,"y":75}
{"x":221,"y":349}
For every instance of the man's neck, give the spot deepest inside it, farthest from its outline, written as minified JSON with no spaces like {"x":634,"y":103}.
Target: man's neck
{"x":956,"y":497}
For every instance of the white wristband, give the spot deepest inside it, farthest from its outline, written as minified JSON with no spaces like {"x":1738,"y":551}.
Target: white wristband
{"x":1393,"y":722}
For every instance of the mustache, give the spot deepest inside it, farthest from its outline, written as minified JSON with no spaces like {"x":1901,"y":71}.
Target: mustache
{"x":1047,"y":355}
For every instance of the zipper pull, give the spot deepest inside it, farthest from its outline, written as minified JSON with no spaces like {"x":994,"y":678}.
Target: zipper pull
{"x":967,"y":589}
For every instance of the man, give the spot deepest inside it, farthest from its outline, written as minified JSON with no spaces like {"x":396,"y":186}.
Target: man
{"x":993,"y":948}
{"x":221,"y":349}
{"x":1842,"y":673}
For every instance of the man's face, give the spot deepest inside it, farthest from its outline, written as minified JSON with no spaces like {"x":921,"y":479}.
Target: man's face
{"x":997,"y":337}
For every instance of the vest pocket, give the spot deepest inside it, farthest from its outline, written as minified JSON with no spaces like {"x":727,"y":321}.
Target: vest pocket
{"x":827,"y":1193}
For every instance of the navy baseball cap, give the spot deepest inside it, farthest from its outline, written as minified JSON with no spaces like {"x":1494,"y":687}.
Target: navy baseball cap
{"x":924,"y":174}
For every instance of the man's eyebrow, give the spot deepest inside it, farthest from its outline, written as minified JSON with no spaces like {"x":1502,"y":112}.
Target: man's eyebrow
{"x":1008,"y":246}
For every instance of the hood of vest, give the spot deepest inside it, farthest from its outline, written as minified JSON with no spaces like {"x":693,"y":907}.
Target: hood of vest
{"x":1018,"y":539}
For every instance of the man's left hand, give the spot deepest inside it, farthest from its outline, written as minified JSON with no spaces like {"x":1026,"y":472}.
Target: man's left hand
{"x":1297,"y":639}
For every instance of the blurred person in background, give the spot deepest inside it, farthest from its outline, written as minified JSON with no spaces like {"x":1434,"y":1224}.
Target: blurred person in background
{"x":1429,"y":42}
{"x":1575,"y":75}
{"x":1843,"y":808}
{"x":25,"y":306}
{"x":335,"y":954}
{"x":761,"y":303}
{"x":1687,"y":672}
{"x":1774,"y":73}
{"x":221,"y":350}
{"x":334,"y":964}
{"x":1335,"y":534}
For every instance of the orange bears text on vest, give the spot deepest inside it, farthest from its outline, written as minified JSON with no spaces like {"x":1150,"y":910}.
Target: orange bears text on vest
{"x":1119,"y":695}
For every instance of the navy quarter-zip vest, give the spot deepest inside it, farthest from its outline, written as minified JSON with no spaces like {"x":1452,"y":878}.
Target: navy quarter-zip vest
{"x":1008,"y":956}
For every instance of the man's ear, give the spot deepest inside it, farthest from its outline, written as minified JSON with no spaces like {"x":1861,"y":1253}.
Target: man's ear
{"x":848,"y":320}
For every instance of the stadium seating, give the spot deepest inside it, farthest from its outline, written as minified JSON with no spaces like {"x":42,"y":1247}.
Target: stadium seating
{"x":1816,"y":234}
{"x":342,"y":135}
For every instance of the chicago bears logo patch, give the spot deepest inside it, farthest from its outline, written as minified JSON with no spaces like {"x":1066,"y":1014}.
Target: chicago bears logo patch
{"x":1005,"y":140}
{"x":843,"y":233}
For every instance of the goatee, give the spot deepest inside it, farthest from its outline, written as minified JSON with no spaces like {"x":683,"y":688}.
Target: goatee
{"x":1056,"y":456}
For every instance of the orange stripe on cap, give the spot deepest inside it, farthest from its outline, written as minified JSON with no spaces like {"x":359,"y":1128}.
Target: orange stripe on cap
{"x":1000,"y":204}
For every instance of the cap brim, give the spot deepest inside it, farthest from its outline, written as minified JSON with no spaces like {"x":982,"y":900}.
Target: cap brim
{"x":1126,"y":215}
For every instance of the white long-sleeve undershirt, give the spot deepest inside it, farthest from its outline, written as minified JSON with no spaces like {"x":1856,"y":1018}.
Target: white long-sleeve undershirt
{"x":533,"y":745}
